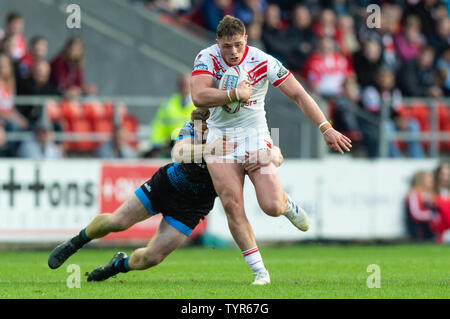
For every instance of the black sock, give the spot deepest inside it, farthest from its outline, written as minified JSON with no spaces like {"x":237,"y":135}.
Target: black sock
{"x":81,"y":239}
{"x":122,"y":265}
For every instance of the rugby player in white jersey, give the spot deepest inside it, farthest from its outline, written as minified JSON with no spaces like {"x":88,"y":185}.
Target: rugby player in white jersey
{"x":249,"y":129}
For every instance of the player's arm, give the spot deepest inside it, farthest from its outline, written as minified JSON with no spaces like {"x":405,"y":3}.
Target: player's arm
{"x":187,"y":151}
{"x":204,"y":94}
{"x":295,"y":91}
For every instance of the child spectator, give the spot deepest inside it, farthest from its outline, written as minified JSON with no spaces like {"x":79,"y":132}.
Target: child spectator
{"x":67,"y":72}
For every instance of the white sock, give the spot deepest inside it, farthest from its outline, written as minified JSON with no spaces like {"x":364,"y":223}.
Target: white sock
{"x":253,"y":259}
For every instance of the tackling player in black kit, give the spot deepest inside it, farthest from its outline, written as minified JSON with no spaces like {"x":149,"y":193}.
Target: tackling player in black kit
{"x":183,"y":192}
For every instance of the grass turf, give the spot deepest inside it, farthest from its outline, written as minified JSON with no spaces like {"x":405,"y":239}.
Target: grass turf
{"x":297,"y":272}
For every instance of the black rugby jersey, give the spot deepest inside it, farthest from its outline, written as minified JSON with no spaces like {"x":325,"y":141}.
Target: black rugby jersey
{"x":191,"y":179}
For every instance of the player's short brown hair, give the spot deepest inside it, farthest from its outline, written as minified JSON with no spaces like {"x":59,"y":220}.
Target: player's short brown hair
{"x":200,"y":114}
{"x":230,"y":26}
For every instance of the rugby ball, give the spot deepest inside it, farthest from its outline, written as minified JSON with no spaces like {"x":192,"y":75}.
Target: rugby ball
{"x":229,"y":81}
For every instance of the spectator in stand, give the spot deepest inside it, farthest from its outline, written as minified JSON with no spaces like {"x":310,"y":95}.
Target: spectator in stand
{"x":300,"y":37}
{"x":326,"y":25}
{"x":250,"y":11}
{"x":3,"y":140}
{"x":409,"y":42}
{"x":254,"y":32}
{"x":442,"y":176}
{"x":443,"y":68}
{"x":12,"y":118}
{"x":171,"y":116}
{"x":346,"y":36}
{"x":118,"y":146}
{"x":442,"y":191}
{"x":325,"y":70}
{"x":14,"y":27}
{"x":421,"y":208}
{"x":38,"y":51}
{"x":37,"y":84}
{"x":440,"y":39}
{"x":367,"y":61}
{"x":274,"y":36}
{"x":389,"y":27}
{"x":426,"y":11}
{"x":386,"y":94}
{"x":209,"y":13}
{"x":42,"y":145}
{"x":345,"y":117}
{"x":418,"y":77}
{"x":67,"y":72}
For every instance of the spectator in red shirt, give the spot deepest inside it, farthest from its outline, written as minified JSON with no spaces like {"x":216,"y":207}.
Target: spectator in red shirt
{"x":38,"y":51}
{"x":442,"y":190}
{"x":67,"y":70}
{"x":14,"y":26}
{"x":325,"y":70}
{"x":326,"y":25}
{"x":421,"y":208}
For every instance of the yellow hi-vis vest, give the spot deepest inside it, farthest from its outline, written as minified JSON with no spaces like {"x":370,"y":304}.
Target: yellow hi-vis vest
{"x":169,"y":119}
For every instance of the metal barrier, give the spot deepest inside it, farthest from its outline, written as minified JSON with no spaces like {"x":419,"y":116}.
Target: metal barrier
{"x":434,"y":136}
{"x":137,"y":101}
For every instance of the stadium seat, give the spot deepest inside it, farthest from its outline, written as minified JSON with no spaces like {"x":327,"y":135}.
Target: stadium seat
{"x":80,"y":126}
{"x":131,"y":125}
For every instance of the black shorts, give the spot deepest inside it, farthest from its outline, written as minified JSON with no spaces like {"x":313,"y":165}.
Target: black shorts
{"x":159,"y":196}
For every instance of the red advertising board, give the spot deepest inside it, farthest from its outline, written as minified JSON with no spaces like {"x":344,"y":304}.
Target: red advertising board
{"x":118,"y":181}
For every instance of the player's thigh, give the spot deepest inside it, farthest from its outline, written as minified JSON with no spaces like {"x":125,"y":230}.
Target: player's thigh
{"x":166,"y":240}
{"x":269,"y":191}
{"x":130,"y":212}
{"x":227,"y":177}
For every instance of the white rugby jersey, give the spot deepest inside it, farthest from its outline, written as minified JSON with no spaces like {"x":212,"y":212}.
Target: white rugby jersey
{"x":262,"y":69}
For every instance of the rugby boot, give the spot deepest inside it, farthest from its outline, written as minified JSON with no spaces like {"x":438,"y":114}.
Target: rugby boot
{"x":104,"y":272}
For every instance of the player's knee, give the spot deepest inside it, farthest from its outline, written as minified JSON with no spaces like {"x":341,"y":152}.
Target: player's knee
{"x":273,"y":208}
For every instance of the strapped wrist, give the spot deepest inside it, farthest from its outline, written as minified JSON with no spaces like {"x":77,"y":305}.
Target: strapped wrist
{"x":325,"y":126}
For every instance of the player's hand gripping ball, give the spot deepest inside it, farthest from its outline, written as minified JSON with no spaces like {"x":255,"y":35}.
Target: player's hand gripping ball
{"x":229,"y":81}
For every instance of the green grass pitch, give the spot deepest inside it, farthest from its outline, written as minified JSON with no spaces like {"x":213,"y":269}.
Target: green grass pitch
{"x":297,"y":272}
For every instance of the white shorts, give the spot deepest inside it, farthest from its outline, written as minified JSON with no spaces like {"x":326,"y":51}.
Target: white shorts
{"x":248,"y":140}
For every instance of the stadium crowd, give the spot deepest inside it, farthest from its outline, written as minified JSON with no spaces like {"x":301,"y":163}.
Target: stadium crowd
{"x":328,"y":45}
{"x":26,"y":69}
{"x":337,"y":55}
